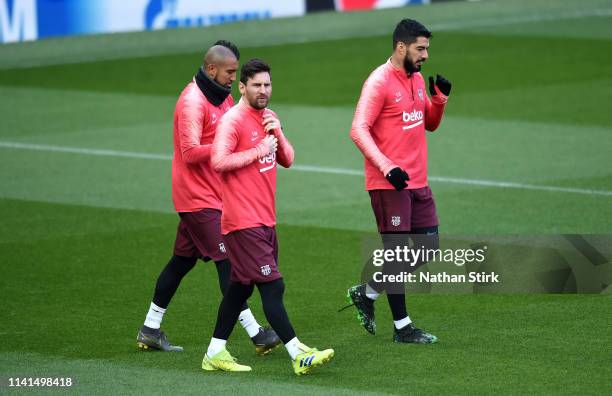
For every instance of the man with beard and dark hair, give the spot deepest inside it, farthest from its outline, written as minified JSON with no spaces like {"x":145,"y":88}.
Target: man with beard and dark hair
{"x":389,"y":127}
{"x":249,"y":144}
{"x":196,"y":193}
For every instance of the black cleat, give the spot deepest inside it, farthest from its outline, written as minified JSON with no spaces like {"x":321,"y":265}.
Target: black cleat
{"x":265,"y":341}
{"x":364,"y":305}
{"x":411,"y":334}
{"x":155,"y":341}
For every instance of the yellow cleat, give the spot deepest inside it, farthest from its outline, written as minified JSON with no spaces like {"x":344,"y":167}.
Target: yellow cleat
{"x":222,"y":361}
{"x":310,"y":358}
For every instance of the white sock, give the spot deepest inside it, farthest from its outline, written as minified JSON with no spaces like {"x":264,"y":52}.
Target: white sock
{"x":154,"y":316}
{"x":216,"y":345}
{"x":371,"y":293}
{"x":293,"y":347}
{"x":249,"y":323}
{"x":402,"y":323}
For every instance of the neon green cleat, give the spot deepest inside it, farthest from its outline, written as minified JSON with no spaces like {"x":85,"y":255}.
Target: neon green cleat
{"x":310,"y":358}
{"x":222,"y":361}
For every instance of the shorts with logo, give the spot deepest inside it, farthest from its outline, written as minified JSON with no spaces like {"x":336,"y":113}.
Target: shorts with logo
{"x":403,"y":211}
{"x":254,"y":255}
{"x":199,"y":235}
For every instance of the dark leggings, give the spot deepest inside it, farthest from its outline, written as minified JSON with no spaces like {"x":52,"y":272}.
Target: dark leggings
{"x":170,"y":278}
{"x":272,"y":301}
{"x":396,"y":295}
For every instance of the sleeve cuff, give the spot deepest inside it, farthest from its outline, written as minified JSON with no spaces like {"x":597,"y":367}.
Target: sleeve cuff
{"x":388,"y":168}
{"x":439,"y":98}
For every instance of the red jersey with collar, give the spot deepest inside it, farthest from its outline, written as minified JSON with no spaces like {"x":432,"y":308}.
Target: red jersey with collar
{"x":248,"y":173}
{"x":195,"y":185}
{"x":389,"y":125}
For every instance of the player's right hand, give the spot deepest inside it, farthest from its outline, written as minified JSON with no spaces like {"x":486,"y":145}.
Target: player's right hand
{"x":398,"y":178}
{"x":269,"y":144}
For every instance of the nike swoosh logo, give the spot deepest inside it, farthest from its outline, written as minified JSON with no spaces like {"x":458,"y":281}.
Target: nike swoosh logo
{"x":267,"y":168}
{"x":416,"y":124}
{"x":397,"y":100}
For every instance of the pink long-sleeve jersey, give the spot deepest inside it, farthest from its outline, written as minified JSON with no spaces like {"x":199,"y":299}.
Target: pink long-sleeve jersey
{"x":248,"y":173}
{"x":389,"y":125}
{"x":195,"y":185}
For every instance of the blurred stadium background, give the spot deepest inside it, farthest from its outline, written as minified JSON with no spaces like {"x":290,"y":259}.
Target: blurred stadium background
{"x":87,"y":220}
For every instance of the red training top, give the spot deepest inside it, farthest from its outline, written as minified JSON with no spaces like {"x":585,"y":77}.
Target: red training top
{"x":248,"y":172}
{"x":195,"y":185}
{"x":389,"y":125}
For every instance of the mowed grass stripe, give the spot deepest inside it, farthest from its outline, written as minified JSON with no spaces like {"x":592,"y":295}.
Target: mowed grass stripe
{"x":487,"y":342}
{"x":303,"y":168}
{"x":535,"y":90}
{"x":77,"y":280}
{"x":557,"y":154}
{"x":95,"y":376}
{"x":439,"y":17}
{"x":462,"y":148}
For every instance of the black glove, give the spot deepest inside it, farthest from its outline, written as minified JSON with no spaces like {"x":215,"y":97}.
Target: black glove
{"x":443,"y":85}
{"x":398,"y":178}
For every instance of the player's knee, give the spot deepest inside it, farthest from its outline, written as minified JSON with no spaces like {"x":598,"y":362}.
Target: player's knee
{"x":425,"y":230}
{"x":223,"y":263}
{"x":240,"y":291}
{"x":186,"y":261}
{"x":224,"y":269}
{"x":272,"y":290}
{"x":182,"y":265}
{"x":392,"y":240}
{"x":426,"y":237}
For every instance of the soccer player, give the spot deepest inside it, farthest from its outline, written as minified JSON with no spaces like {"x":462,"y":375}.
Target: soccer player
{"x":196,"y":192}
{"x":249,"y":144}
{"x":389,"y":127}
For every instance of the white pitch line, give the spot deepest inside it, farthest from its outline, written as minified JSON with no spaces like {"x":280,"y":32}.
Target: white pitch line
{"x":522,"y":186}
{"x":85,"y":151}
{"x":303,"y":168}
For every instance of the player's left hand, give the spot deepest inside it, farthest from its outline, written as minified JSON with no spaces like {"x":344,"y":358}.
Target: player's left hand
{"x":398,"y":178}
{"x":271,"y":124}
{"x":442,"y":83}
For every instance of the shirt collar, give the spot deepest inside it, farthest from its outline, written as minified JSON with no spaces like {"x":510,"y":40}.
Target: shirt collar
{"x":398,"y":72}
{"x":250,"y":109}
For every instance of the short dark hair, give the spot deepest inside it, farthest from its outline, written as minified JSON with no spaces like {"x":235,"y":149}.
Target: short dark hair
{"x":229,"y":45}
{"x":408,"y":30}
{"x":252,"y":67}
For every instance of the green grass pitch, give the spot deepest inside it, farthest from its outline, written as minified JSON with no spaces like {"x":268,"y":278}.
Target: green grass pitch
{"x":86,"y":229}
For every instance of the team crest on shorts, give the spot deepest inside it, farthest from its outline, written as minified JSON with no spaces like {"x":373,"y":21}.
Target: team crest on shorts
{"x":420,"y":92}
{"x":395,"y":221}
{"x":265,"y":270}
{"x":222,"y":248}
